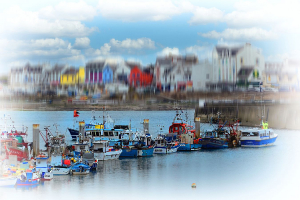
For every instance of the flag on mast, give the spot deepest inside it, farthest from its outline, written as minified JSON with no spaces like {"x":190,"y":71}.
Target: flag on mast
{"x":76,"y":114}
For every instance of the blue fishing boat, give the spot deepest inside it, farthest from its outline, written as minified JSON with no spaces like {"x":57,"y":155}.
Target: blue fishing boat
{"x":141,"y":145}
{"x":258,"y":137}
{"x":145,"y":145}
{"x":140,"y":148}
{"x":165,"y":145}
{"x":129,"y":151}
{"x":145,"y":151}
{"x":28,"y":179}
{"x":215,"y":139}
{"x":80,"y":169}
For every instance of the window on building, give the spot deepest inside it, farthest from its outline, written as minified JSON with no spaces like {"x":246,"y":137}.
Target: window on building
{"x":207,"y":76}
{"x":257,"y":61}
{"x":242,"y":61}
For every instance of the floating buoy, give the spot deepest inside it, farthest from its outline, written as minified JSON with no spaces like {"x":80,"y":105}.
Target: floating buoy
{"x":194,"y":185}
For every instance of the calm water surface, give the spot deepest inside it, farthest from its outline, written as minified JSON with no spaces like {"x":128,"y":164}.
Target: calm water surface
{"x":240,"y":173}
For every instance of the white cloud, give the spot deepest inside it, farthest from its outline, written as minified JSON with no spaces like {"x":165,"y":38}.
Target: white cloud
{"x":195,"y":48}
{"x":41,"y":49}
{"x":82,"y":43}
{"x":203,"y":52}
{"x":241,"y":34}
{"x":141,"y":43}
{"x":135,"y":10}
{"x":127,"y":46}
{"x":73,"y":11}
{"x":229,"y":43}
{"x":282,"y":16}
{"x":17,"y":21}
{"x":167,"y":51}
{"x":206,"y":15}
{"x":104,"y":50}
{"x":134,"y":60}
{"x":49,"y":43}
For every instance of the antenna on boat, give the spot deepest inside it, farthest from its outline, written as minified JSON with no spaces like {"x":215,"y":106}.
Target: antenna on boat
{"x":267,"y":115}
{"x":56,"y":131}
{"x":160,"y":129}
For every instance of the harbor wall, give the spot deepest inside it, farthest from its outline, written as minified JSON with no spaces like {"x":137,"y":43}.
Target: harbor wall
{"x":280,"y":116}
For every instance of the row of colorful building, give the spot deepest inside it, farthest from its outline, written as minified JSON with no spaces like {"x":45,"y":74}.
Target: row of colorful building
{"x":230,"y":67}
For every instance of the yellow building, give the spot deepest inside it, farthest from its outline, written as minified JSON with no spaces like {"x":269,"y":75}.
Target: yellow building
{"x":73,"y":76}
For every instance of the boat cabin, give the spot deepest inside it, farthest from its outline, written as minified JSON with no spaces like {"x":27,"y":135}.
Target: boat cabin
{"x":263,"y":133}
{"x":187,"y":138}
{"x":105,"y":133}
{"x":146,"y":139}
{"x":101,"y":146}
{"x":178,"y":128}
{"x":80,"y":147}
{"x":215,"y":133}
{"x":160,"y":141}
{"x":42,"y":163}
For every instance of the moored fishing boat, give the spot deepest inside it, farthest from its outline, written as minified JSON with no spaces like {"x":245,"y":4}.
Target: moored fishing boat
{"x":258,"y":137}
{"x":188,"y":138}
{"x":102,"y":151}
{"x":215,"y":139}
{"x":162,"y":146}
{"x":42,"y":167}
{"x":61,"y":170}
{"x":80,"y":169}
{"x":145,"y":146}
{"x":14,"y":143}
{"x":28,"y":179}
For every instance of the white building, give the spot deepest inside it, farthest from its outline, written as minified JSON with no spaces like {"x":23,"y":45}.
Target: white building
{"x":284,"y":74}
{"x":174,"y":72}
{"x":26,"y":79}
{"x":231,"y":65}
{"x":201,"y":75}
{"x":122,"y":73}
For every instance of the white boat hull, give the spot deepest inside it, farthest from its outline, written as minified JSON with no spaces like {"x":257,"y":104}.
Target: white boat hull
{"x":110,"y":155}
{"x":60,"y":171}
{"x":80,"y":173}
{"x":48,"y":176}
{"x":8,"y":181}
{"x":258,"y":142}
{"x":164,"y":150}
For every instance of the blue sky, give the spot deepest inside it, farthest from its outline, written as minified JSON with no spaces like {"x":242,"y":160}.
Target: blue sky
{"x":75,"y":32}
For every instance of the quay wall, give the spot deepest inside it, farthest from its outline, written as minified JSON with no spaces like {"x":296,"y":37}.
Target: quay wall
{"x":280,"y":116}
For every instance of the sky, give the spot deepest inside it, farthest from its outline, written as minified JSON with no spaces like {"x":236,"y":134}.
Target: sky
{"x":75,"y":32}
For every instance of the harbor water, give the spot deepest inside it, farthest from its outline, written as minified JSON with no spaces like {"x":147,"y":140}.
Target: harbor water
{"x":237,"y":173}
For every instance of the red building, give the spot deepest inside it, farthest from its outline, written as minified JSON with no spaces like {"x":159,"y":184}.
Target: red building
{"x":139,"y":78}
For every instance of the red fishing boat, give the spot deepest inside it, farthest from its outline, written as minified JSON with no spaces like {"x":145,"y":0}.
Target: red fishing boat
{"x":185,"y":133}
{"x":15,"y":143}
